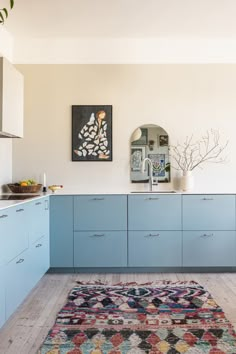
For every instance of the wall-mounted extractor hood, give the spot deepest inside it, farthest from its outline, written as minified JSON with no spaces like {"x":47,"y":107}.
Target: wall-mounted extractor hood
{"x":11,"y":101}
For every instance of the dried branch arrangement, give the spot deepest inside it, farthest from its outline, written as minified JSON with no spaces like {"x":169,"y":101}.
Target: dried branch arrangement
{"x":190,"y":154}
{"x":4,"y":12}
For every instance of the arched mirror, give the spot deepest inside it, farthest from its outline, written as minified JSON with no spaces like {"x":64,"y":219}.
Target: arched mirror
{"x":152,"y":142}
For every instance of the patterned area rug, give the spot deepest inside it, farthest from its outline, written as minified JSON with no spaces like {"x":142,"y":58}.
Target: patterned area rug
{"x":168,"y":318}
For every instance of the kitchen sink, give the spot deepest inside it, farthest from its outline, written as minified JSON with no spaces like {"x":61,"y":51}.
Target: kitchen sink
{"x":156,"y":192}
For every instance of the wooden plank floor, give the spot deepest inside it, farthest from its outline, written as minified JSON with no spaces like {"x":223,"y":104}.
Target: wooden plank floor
{"x":26,"y":329}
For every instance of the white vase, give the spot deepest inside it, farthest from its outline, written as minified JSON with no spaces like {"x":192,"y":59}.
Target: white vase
{"x":187,"y":181}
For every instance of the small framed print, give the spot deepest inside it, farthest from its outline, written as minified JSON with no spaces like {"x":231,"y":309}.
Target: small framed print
{"x":137,"y":157}
{"x":163,"y":140}
{"x":92,"y":133}
{"x":143,"y":140}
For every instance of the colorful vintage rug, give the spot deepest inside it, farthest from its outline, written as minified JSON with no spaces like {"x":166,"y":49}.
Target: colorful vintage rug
{"x":168,"y":318}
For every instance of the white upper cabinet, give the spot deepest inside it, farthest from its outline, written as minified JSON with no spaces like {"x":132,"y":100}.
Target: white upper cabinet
{"x":11,"y":100}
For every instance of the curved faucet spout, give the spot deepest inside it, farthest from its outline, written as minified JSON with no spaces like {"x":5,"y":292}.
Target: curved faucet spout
{"x":149,"y":161}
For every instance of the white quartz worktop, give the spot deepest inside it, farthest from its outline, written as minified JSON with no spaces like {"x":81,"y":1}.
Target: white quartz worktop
{"x":9,"y":203}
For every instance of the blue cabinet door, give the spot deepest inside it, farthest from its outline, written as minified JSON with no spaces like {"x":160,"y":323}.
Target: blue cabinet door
{"x":39,"y":219}
{"x":6,"y":229}
{"x":2,"y":296}
{"x":61,"y":231}
{"x":209,"y":212}
{"x":100,"y":249}
{"x":209,"y":248}
{"x":17,"y":281}
{"x":154,"y":248}
{"x":154,"y":212}
{"x":100,"y":212}
{"x":39,"y":259}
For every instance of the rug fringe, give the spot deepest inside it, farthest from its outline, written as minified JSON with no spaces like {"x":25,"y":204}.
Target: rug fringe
{"x":133,"y":283}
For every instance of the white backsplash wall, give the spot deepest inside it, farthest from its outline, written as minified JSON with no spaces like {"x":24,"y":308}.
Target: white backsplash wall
{"x":183,"y":99}
{"x":5,"y":161}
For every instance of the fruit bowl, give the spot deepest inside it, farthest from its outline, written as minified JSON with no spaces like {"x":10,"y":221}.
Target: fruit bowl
{"x":16,"y":188}
{"x":55,"y":187}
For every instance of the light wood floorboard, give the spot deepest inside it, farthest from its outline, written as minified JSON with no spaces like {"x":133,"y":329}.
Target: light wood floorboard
{"x":28,"y":326}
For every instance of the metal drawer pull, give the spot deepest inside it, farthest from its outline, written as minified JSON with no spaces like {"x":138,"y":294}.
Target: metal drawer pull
{"x":97,"y":235}
{"x":207,"y":198}
{"x":21,"y":260}
{"x":38,"y":245}
{"x":46,"y":204}
{"x":38,"y":203}
{"x":98,"y":198}
{"x":19,"y":210}
{"x":207,"y":235}
{"x":152,"y":235}
{"x":3,"y":216}
{"x":152,"y":198}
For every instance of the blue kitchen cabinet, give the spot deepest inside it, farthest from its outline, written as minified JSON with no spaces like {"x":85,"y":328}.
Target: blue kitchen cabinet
{"x":17,"y":281}
{"x":61,"y":231}
{"x":100,"y":212}
{"x":208,"y":212}
{"x":40,"y":262}
{"x":209,"y":249}
{"x":39,"y":219}
{"x":100,"y":249}
{"x":6,"y":229}
{"x":154,"y":212}
{"x":155,"y":248}
{"x":2,"y":296}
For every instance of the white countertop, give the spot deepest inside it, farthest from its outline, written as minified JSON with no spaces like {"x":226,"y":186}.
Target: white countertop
{"x":9,"y":203}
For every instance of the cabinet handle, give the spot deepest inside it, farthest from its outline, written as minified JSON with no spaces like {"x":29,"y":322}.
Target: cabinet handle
{"x":3,"y":216}
{"x":207,"y":198}
{"x":21,"y":260}
{"x":38,"y":245}
{"x":206,"y":235}
{"x":46,"y":204}
{"x":19,"y":210}
{"x":38,"y":203}
{"x":97,"y":235}
{"x":152,"y":235}
{"x":150,"y":198}
{"x":98,"y":198}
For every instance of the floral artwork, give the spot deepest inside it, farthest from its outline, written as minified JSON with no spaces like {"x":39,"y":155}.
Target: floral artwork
{"x":158,"y":162}
{"x":92,"y":133}
{"x":137,"y":156}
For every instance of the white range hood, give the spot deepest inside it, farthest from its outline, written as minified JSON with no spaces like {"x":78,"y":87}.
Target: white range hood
{"x":11,"y":101}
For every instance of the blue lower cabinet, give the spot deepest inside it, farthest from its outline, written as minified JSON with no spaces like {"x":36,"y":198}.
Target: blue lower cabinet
{"x":2,"y":296}
{"x":17,"y":281}
{"x":61,"y":231}
{"x":209,"y":248}
{"x":154,"y":248}
{"x":100,"y":249}
{"x":39,"y":254}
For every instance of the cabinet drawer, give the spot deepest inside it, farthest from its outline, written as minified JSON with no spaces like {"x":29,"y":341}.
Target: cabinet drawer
{"x":39,"y":219}
{"x":6,"y":230}
{"x":17,"y":281}
{"x":39,"y":259}
{"x":100,"y":212}
{"x":154,"y":248}
{"x":154,"y":212}
{"x":209,"y":248}
{"x":100,"y":249}
{"x":209,"y":212}
{"x":17,"y":234}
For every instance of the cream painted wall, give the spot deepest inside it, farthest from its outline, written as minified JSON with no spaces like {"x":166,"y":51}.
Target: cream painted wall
{"x":183,"y":99}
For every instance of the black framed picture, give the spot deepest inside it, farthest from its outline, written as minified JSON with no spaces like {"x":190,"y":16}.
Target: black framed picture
{"x":163,"y":140}
{"x":92,"y":133}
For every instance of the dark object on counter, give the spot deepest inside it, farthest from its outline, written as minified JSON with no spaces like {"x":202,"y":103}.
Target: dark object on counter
{"x":16,"y":188}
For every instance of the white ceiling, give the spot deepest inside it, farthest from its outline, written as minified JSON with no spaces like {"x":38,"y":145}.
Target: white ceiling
{"x":122,"y":18}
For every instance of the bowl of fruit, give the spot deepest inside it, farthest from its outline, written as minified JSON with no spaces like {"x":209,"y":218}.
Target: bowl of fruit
{"x":25,"y":186}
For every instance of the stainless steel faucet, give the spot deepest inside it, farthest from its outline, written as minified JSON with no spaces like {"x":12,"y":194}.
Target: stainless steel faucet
{"x":150,"y":171}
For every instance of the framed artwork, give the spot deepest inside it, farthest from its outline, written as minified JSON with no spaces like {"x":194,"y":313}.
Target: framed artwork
{"x":158,"y":161}
{"x":143,"y":140}
{"x":92,"y":133}
{"x":137,"y":156}
{"x":163,"y":140}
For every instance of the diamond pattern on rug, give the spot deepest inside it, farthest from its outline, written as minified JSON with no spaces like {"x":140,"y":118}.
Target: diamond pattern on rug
{"x":168,"y":318}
